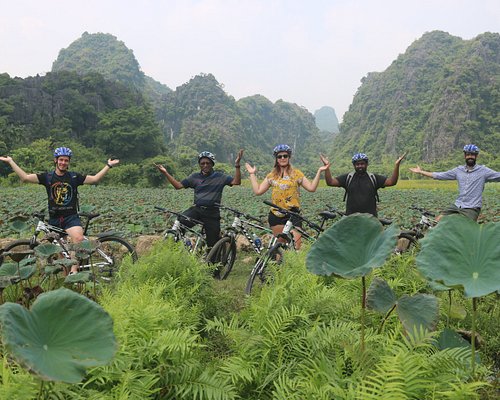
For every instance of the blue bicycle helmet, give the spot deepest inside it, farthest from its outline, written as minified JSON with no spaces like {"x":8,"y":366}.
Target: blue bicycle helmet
{"x":63,"y":151}
{"x":359,"y":157}
{"x":206,"y":154}
{"x":471,"y":148}
{"x":281,"y":148}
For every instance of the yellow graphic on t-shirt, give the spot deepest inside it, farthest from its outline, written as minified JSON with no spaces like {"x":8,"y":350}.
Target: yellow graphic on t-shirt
{"x":285,"y":190}
{"x":62,"y":193}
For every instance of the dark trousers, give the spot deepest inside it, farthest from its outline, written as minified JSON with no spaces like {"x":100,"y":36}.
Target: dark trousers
{"x":210,"y":216}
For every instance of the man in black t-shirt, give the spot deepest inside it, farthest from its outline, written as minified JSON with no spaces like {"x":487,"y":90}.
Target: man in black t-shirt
{"x":208,"y":186}
{"x":62,"y":191}
{"x":361,"y":186}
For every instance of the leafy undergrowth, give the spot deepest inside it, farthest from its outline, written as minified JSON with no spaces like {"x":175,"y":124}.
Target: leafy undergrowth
{"x":183,"y":335}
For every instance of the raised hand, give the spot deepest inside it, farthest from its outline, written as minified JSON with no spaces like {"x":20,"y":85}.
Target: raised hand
{"x":416,"y":170}
{"x":324,"y":160}
{"x":161,"y":168}
{"x":238,"y":157}
{"x":398,"y":161}
{"x":6,"y":159}
{"x":250,"y":169}
{"x":113,"y":162}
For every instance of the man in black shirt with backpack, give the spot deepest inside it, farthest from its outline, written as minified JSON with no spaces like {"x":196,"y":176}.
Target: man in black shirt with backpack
{"x":361,"y":186}
{"x":62,"y":191}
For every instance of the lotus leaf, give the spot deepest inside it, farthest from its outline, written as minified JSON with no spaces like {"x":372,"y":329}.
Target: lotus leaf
{"x":63,"y":334}
{"x":66,"y":262}
{"x":419,"y":310}
{"x":460,"y":252}
{"x":8,"y":269}
{"x":79,"y":277}
{"x":352,"y":247}
{"x":48,"y":249}
{"x":52,"y":269}
{"x":19,"y":225}
{"x":27,"y":261}
{"x":380,"y":297}
{"x":6,"y":281}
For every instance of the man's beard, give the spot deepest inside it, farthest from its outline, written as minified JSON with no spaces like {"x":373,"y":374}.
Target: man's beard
{"x":470,"y":162}
{"x":360,"y":169}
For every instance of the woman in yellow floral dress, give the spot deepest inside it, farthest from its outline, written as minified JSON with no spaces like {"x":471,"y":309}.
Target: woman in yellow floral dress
{"x":285,"y":181}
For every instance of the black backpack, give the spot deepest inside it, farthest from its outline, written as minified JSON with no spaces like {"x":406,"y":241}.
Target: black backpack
{"x":373,"y":180}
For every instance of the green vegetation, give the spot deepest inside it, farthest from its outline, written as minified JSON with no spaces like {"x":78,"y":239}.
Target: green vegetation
{"x":181,"y":335}
{"x":438,"y":95}
{"x":442,"y":93}
{"x":131,"y":210}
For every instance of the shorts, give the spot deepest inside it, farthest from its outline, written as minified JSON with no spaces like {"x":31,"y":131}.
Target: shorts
{"x":66,"y":222}
{"x":275,"y":220}
{"x":472,"y":213}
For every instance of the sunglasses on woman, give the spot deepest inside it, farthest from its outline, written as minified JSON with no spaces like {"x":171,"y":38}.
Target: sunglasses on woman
{"x":282,"y":156}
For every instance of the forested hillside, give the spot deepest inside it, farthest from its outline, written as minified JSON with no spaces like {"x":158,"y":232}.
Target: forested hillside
{"x":442,"y":93}
{"x":105,"y":54}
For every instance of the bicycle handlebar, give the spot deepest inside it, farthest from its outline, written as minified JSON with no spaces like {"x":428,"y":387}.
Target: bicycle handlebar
{"x":288,"y":212}
{"x":238,"y":213}
{"x":194,"y":221}
{"x":423,"y":211}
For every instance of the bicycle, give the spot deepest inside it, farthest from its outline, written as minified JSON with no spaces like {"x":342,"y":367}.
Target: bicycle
{"x":277,"y":246}
{"x":103,"y":261}
{"x":223,"y":253}
{"x":426,"y":222}
{"x":178,"y":232}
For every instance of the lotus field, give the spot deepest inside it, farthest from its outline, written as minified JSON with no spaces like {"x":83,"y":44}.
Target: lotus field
{"x":131,"y":210}
{"x":343,"y":318}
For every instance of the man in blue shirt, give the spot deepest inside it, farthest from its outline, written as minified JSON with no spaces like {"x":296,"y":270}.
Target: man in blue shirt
{"x":208,"y":186}
{"x":471,"y":179}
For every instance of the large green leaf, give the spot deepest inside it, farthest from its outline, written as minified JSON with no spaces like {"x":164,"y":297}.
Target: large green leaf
{"x":352,"y":247}
{"x":62,"y":335}
{"x":11,"y":270}
{"x":48,"y":249}
{"x":380,"y":297}
{"x":421,"y":310}
{"x":460,"y":252}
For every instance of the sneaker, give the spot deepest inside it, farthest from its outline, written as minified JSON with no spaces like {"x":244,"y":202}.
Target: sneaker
{"x":73,"y":273}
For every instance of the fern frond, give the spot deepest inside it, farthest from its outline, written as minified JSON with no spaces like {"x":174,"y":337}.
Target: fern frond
{"x":206,"y":386}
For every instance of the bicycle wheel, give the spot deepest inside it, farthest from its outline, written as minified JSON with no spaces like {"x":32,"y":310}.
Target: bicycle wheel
{"x":406,"y":241}
{"x":107,"y":258}
{"x":19,"y":246}
{"x":275,"y":253}
{"x":223,"y":254}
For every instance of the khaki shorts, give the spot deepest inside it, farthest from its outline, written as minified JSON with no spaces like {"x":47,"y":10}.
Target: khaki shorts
{"x":472,"y":213}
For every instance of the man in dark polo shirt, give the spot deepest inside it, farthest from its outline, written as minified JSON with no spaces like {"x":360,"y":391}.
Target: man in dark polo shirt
{"x":208,"y":186}
{"x":361,"y":186}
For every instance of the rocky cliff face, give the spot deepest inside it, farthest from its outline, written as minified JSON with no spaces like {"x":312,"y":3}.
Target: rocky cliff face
{"x":442,"y":93}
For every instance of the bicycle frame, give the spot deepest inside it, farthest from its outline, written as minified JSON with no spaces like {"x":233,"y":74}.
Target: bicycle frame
{"x":178,"y":229}
{"x":239,"y":226}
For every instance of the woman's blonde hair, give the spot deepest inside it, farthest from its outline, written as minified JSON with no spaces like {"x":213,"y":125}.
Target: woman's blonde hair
{"x":276,"y":172}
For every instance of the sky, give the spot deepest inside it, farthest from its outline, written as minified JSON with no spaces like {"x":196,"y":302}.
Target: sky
{"x":313,"y":53}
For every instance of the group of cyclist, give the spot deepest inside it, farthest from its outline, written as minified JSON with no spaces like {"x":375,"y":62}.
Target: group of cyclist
{"x":360,"y":187}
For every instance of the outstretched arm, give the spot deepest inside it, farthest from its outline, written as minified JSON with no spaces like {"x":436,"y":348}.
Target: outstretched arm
{"x":29,"y":178}
{"x":329,"y":179}
{"x":93,"y":179}
{"x":257,"y":189}
{"x":175,"y":183}
{"x":393,"y":179}
{"x":237,"y":173}
{"x":418,"y":170}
